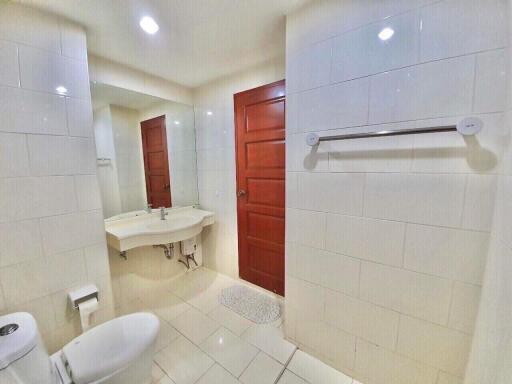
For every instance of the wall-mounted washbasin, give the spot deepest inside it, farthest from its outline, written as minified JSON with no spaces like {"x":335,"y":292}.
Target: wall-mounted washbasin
{"x":143,"y":230}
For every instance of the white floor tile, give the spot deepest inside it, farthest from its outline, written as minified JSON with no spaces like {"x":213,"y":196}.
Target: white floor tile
{"x":229,"y":350}
{"x":229,"y":319}
{"x":183,"y":362}
{"x":156,"y":373}
{"x":195,"y":325}
{"x":217,"y":375}
{"x":262,"y":370}
{"x":165,"y":380}
{"x":270,"y":340}
{"x":315,"y":371}
{"x":166,"y":335}
{"x":291,"y":378}
{"x":166,"y":305}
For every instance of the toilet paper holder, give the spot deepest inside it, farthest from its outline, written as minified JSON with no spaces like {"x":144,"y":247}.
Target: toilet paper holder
{"x":83,"y":294}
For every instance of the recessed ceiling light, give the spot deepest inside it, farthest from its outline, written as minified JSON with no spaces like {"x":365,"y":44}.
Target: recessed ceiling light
{"x":209,"y":113}
{"x":149,"y":25}
{"x":62,"y":90}
{"x":386,"y":34}
{"x":177,"y":122}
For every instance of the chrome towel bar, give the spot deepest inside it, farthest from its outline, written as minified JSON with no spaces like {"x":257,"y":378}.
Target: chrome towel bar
{"x":467,"y":127}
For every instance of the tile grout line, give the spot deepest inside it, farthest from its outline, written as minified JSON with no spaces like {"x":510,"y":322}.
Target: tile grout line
{"x":285,"y":366}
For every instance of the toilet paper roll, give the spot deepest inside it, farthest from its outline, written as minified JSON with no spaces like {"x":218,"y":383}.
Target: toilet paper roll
{"x":86,"y":308}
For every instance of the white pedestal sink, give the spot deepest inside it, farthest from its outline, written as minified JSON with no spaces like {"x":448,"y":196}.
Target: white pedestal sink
{"x":148,"y":229}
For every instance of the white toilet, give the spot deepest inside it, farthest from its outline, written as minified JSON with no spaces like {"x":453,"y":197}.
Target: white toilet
{"x":119,"y":351}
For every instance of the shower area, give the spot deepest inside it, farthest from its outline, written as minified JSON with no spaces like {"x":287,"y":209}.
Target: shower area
{"x":399,"y":246}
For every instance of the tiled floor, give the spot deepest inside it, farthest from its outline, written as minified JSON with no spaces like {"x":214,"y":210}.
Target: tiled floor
{"x":203,"y":342}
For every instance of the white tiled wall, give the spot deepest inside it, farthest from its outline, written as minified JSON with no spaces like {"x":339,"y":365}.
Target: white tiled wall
{"x":387,"y":239}
{"x":492,"y":344}
{"x":52,"y":236}
{"x":215,"y":145}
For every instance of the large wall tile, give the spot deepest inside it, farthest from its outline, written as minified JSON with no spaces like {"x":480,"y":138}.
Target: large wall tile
{"x":337,"y":106}
{"x":361,"y":52}
{"x":415,"y":294}
{"x":479,"y":202}
{"x":73,"y":41}
{"x":96,"y":261}
{"x":464,"y":307}
{"x":330,"y":270}
{"x":13,"y":155}
{"x":19,"y":241}
{"x":330,"y":342}
{"x":29,"y":27}
{"x":68,"y":232}
{"x":47,"y":154}
{"x":53,"y":71}
{"x":66,"y":270}
{"x":79,"y":114}
{"x":434,"y":345}
{"x":87,"y":192}
{"x":378,"y":365}
{"x":305,"y":227}
{"x":25,"y":111}
{"x":417,"y":198}
{"x":457,"y":27}
{"x":31,"y":197}
{"x":337,"y":193}
{"x":446,"y":378}
{"x":363,"y":319}
{"x":368,"y":239}
{"x":442,"y":88}
{"x":314,"y":66}
{"x":450,"y":253}
{"x":9,"y":67}
{"x":306,"y":297}
{"x":490,"y":82}
{"x":26,"y":281}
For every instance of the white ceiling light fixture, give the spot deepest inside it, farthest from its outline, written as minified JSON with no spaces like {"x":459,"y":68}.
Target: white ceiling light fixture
{"x":386,"y":34}
{"x":149,"y":25}
{"x":177,"y":122}
{"x":209,"y":113}
{"x":61,"y":90}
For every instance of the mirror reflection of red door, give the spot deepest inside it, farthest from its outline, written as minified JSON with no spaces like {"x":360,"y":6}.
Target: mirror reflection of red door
{"x":156,"y":164}
{"x":260,"y":147}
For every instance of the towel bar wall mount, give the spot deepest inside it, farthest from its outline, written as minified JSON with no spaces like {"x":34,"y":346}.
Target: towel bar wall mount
{"x":468,"y":126}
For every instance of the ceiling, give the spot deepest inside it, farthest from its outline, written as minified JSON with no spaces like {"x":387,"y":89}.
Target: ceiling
{"x":103,"y":95}
{"x":198,"y":41}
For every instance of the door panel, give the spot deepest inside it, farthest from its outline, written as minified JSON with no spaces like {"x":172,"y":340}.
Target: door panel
{"x":266,"y":154}
{"x":260,"y":145}
{"x":156,"y":163}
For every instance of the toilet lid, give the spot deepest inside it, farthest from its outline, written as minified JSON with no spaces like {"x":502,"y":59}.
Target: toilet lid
{"x":109,"y":347}
{"x":18,"y":336}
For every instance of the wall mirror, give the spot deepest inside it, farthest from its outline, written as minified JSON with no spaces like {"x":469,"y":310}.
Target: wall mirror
{"x":146,"y":151}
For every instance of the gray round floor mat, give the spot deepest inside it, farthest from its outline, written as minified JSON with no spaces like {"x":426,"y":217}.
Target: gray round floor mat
{"x":250,"y":304}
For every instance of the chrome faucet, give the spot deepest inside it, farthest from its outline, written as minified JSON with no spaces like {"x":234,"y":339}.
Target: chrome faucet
{"x":148,"y":208}
{"x":163,"y":213}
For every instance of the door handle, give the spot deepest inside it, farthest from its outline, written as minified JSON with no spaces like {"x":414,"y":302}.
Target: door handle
{"x":241,"y":193}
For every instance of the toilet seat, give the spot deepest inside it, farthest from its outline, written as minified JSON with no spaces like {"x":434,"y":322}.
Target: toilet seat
{"x":109,"y":347}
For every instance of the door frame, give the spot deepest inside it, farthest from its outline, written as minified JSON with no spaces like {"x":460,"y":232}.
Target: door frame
{"x":237,"y":150}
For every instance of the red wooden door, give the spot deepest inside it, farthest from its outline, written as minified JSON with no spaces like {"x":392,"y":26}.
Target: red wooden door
{"x":156,"y":164}
{"x":260,"y":147}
